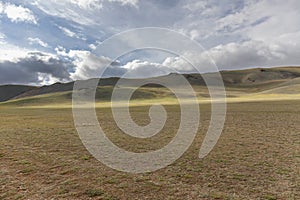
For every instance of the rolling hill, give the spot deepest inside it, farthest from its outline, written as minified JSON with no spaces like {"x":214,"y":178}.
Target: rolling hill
{"x":238,"y":83}
{"x":8,"y":92}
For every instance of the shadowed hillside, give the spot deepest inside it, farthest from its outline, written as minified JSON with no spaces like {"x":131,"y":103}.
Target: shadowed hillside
{"x":10,"y":91}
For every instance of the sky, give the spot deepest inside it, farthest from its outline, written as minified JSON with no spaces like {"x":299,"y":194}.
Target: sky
{"x":43,"y":42}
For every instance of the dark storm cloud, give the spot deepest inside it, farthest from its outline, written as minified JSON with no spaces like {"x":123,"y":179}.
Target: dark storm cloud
{"x":34,"y":69}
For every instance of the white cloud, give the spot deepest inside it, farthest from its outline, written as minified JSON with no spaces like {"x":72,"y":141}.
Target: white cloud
{"x":126,"y":2}
{"x":246,"y":54}
{"x":241,"y":34}
{"x":12,"y":53}
{"x":95,"y":45}
{"x":143,"y":69}
{"x":37,"y":41}
{"x":2,"y":38}
{"x":194,"y":34}
{"x":67,"y":32}
{"x":88,"y":4}
{"x":271,"y":30}
{"x":262,"y":19}
{"x":239,"y":55}
{"x":196,"y":6}
{"x":237,"y":34}
{"x":179,"y":64}
{"x":47,"y":79}
{"x":84,"y":12}
{"x":1,"y":7}
{"x":86,"y":64}
{"x":74,"y":12}
{"x":92,"y":46}
{"x":18,"y":13}
{"x":98,"y":4}
{"x":71,"y":34}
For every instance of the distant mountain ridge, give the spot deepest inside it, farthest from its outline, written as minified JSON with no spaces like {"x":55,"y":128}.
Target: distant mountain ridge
{"x":233,"y":78}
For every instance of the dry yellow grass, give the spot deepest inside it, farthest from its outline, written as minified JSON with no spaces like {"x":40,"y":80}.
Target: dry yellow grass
{"x":257,"y":156}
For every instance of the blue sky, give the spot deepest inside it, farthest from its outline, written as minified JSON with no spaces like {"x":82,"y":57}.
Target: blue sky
{"x":43,"y":42}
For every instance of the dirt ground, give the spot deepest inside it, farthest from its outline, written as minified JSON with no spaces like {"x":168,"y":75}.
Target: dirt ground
{"x":257,"y":156}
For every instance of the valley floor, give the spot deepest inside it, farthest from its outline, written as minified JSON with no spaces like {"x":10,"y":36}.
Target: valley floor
{"x":257,"y":156}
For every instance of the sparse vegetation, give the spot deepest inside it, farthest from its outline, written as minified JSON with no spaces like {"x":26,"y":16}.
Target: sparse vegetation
{"x":257,"y":156}
{"x":94,"y":192}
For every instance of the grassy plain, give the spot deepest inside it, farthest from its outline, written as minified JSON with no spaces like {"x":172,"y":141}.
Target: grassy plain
{"x":257,"y":156}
